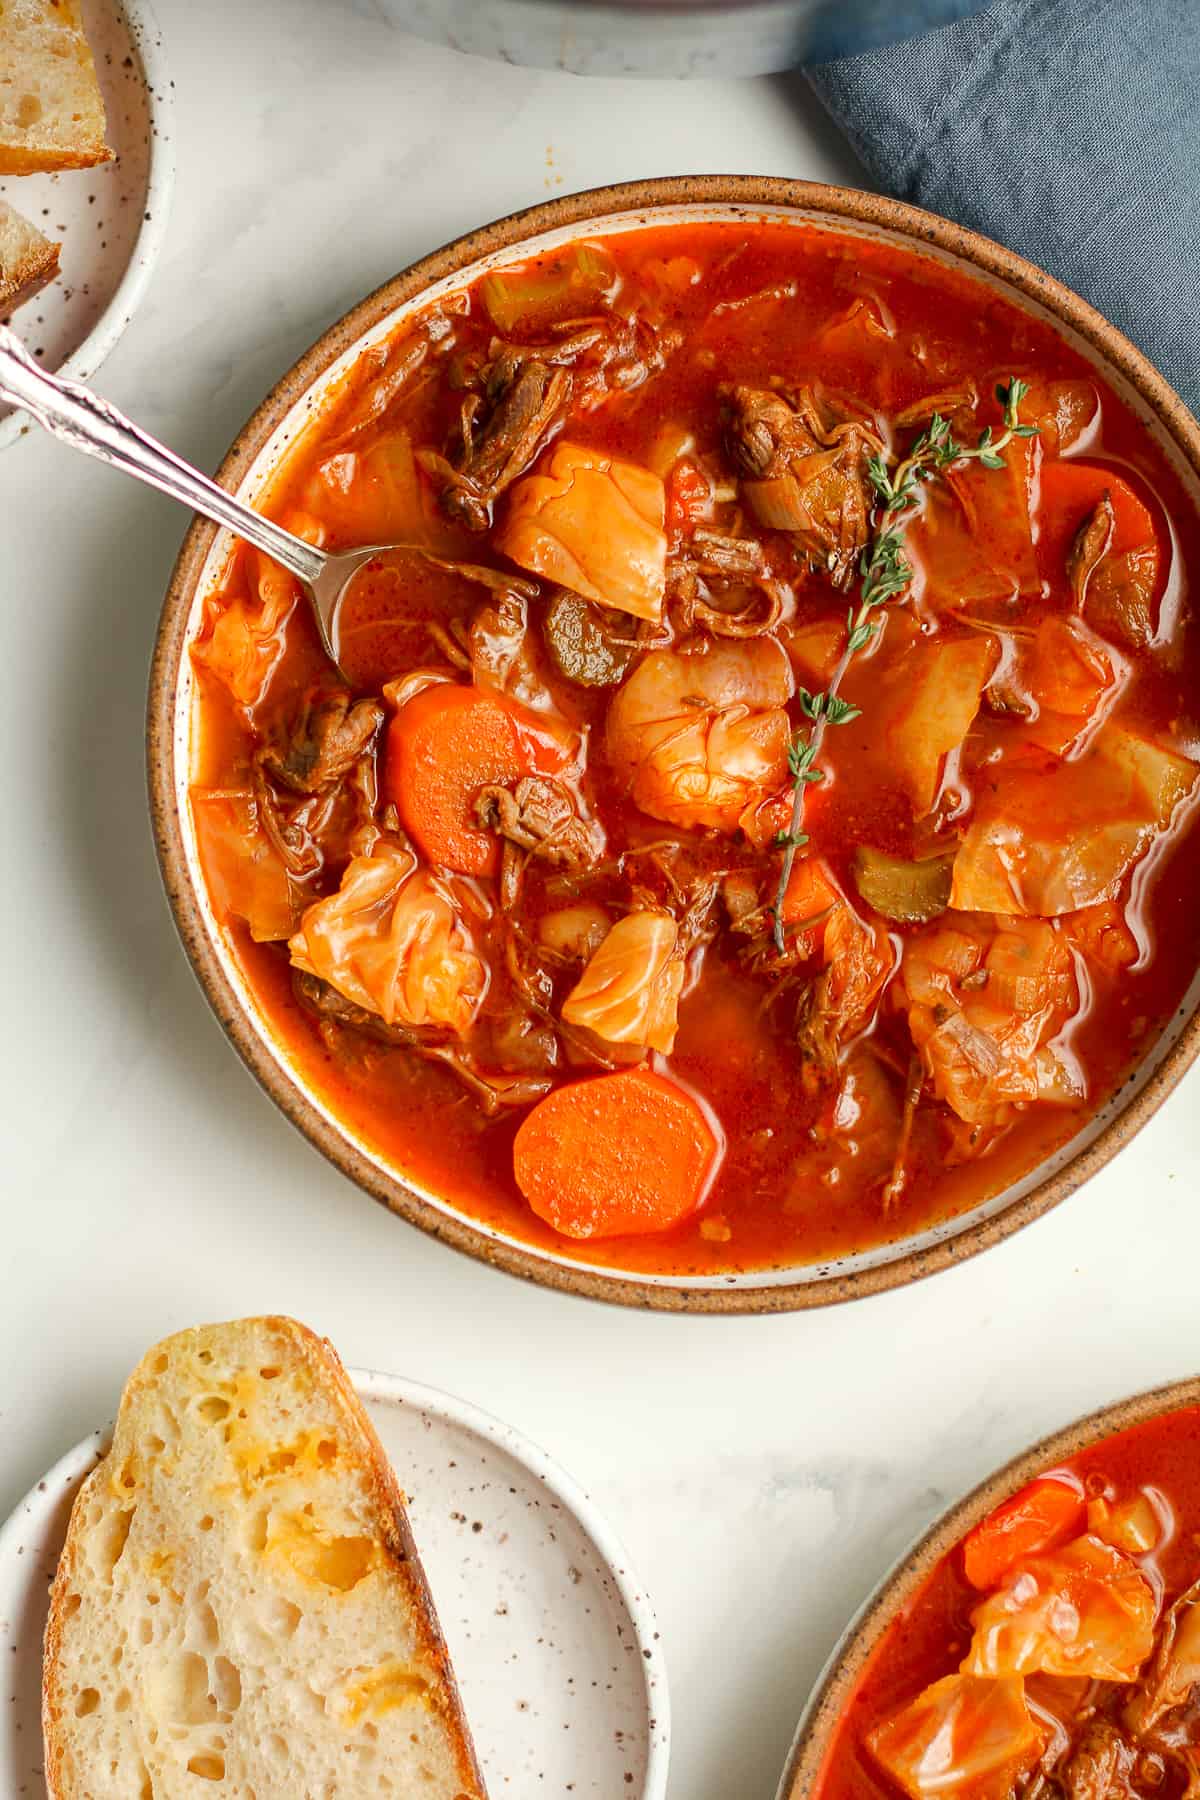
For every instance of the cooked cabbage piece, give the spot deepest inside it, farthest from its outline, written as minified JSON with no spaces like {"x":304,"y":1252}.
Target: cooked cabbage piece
{"x":1064,"y":412}
{"x":973,"y":542}
{"x":928,"y":698}
{"x":378,"y":495}
{"x":1132,"y":1525}
{"x":594,"y":524}
{"x":629,"y":991}
{"x":1102,"y":935}
{"x":962,"y":1736}
{"x":984,"y":999}
{"x":246,"y":876}
{"x":815,"y":647}
{"x":393,"y":941}
{"x":867,"y":317}
{"x":1045,"y":842}
{"x":246,"y":639}
{"x":1081,"y":1610}
{"x":700,"y":739}
{"x":1060,"y":682}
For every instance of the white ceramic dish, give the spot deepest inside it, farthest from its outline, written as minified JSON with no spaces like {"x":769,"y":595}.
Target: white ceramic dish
{"x":110,"y":220}
{"x":552,"y":1639}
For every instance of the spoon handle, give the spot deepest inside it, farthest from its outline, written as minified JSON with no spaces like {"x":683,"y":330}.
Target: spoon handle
{"x":82,"y":419}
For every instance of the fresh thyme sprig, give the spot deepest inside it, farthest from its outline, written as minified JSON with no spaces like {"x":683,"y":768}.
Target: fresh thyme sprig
{"x":885,"y":572}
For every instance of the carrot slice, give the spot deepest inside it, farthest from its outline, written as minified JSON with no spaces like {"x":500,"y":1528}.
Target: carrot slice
{"x":442,"y":747}
{"x":1040,"y":1515}
{"x":613,"y":1156}
{"x":811,"y":893}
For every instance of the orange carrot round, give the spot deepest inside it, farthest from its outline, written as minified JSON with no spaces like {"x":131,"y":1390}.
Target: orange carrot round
{"x":443,"y":746}
{"x":615,"y":1155}
{"x":1046,"y":1511}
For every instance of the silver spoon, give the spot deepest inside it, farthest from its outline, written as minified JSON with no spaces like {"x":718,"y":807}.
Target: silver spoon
{"x":82,"y":419}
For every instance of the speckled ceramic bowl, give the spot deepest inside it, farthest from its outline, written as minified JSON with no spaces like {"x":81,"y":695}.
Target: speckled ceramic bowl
{"x":250,"y":463}
{"x":111,"y":220}
{"x":866,"y":1630}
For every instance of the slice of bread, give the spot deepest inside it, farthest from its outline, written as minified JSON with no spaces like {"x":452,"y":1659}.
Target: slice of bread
{"x":239,"y":1610}
{"x":51,"y":110}
{"x":27,"y":259}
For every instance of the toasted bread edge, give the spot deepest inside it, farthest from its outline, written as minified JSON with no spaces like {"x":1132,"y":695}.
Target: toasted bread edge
{"x":33,"y":273}
{"x":14,"y":161}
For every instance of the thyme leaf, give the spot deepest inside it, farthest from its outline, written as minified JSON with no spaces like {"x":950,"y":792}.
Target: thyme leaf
{"x":884,"y":573}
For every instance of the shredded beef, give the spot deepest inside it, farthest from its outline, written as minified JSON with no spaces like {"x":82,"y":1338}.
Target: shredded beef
{"x":817,"y":459}
{"x":494,"y":1090}
{"x":503,"y":428}
{"x":1090,"y":547}
{"x":1099,"y":1764}
{"x":323,"y":743}
{"x":539,"y":815}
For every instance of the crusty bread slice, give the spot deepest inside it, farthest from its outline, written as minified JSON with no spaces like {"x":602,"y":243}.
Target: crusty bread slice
{"x":239,"y":1611}
{"x":27,"y":259}
{"x":51,"y":110}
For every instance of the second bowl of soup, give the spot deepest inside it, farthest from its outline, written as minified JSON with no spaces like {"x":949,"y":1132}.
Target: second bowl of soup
{"x":743,"y":857}
{"x":1043,"y":1639}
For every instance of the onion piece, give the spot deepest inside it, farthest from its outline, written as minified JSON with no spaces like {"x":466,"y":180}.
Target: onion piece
{"x":778,"y":503}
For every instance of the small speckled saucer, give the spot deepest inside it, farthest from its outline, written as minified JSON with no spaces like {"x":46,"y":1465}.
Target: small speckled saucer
{"x":110,"y":220}
{"x":551,"y":1636}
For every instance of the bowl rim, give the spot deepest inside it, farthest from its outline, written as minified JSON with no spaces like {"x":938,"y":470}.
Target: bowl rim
{"x":147,"y":39}
{"x":845,"y":1666}
{"x":741,"y":193}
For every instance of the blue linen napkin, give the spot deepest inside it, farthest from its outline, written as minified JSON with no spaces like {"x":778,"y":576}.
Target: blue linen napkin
{"x":1068,"y":130}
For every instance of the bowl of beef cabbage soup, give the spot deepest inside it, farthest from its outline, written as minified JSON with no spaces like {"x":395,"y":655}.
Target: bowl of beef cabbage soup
{"x":743,"y":859}
{"x":1043,"y":1639}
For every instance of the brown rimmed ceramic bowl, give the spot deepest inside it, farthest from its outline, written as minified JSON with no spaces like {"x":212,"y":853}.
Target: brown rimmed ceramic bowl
{"x":257,"y":454}
{"x":836,"y":1685}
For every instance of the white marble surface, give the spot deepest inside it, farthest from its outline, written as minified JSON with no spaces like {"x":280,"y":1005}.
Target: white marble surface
{"x":762,"y":1472}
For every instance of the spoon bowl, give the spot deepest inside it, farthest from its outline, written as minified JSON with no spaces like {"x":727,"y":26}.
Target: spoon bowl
{"x":72,"y":412}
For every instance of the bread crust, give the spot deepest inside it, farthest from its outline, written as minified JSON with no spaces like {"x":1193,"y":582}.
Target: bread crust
{"x":28,"y":274}
{"x":328,"y":1372}
{"x":44,"y":41}
{"x":14,"y":160}
{"x":402,"y":1547}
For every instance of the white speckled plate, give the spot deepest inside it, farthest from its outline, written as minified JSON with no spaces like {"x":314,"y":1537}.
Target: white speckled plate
{"x":551,"y":1636}
{"x":110,"y":221}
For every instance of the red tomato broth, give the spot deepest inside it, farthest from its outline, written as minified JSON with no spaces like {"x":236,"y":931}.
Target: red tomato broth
{"x":781,"y":1196}
{"x":930,"y":1635}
